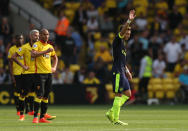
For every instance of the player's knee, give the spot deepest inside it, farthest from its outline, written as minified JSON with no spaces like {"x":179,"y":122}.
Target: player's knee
{"x":23,"y":94}
{"x":45,"y":98}
{"x":39,"y":96}
{"x":127,"y":93}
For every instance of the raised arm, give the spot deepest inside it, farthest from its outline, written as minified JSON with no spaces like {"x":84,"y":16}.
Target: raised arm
{"x":126,"y":25}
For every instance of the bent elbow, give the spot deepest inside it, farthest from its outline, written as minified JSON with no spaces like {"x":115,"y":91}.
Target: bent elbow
{"x":13,"y":58}
{"x":33,"y":54}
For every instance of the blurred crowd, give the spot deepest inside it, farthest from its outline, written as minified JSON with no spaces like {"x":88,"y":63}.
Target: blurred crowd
{"x":6,"y":32}
{"x":86,"y":29}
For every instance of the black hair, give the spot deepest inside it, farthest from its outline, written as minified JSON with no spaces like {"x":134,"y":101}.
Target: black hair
{"x":18,"y":35}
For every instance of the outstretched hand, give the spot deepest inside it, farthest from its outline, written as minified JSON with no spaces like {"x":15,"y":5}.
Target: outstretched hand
{"x":132,"y":15}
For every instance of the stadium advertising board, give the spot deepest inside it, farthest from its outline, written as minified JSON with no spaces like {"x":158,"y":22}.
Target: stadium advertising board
{"x":63,"y":94}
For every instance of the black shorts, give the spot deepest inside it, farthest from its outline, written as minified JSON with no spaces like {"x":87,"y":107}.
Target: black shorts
{"x":120,"y":82}
{"x":17,"y":87}
{"x":43,"y":85}
{"x":28,"y":84}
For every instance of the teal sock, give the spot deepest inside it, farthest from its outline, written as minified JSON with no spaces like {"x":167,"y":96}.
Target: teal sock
{"x":124,"y":98}
{"x":116,"y":107}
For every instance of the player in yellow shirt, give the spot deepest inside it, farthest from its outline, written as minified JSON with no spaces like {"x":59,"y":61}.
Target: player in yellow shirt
{"x":43,"y":52}
{"x":28,"y":73}
{"x":16,"y":70}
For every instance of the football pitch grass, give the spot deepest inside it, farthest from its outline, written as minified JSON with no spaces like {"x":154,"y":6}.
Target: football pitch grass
{"x":92,"y":118}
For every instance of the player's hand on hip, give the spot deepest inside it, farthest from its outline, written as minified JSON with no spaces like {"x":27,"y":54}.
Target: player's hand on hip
{"x":25,"y":67}
{"x":129,"y":75}
{"x":53,"y":69}
{"x":132,"y":15}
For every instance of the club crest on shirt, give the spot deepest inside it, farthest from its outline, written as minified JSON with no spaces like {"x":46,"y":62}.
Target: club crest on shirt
{"x":34,"y":45}
{"x":20,"y":49}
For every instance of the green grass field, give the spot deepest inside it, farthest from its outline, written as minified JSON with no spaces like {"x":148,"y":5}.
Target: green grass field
{"x":91,"y":118}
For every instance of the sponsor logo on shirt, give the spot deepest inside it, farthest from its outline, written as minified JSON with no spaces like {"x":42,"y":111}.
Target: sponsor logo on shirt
{"x":46,"y":55}
{"x":20,"y":57}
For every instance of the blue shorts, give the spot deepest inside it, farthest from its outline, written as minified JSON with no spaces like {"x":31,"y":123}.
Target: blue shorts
{"x":120,"y":82}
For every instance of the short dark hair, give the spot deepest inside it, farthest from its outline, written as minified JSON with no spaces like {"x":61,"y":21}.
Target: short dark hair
{"x":18,"y":35}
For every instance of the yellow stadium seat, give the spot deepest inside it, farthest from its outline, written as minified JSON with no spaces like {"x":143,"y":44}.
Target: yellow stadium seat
{"x":111,"y":95}
{"x":170,"y":94}
{"x":176,"y":84}
{"x":170,"y":90}
{"x":159,"y":91}
{"x":111,"y":4}
{"x":157,"y":87}
{"x":169,"y":74}
{"x":70,"y":14}
{"x":150,"y":87}
{"x":48,"y":4}
{"x":109,"y":67}
{"x":75,"y":5}
{"x":60,"y":65}
{"x":155,"y":91}
{"x":177,"y":87}
{"x":74,"y":67}
{"x":150,"y":94}
{"x":159,"y":94}
{"x":150,"y":19}
{"x":181,"y":9}
{"x":136,"y":87}
{"x":68,"y":5}
{"x":176,"y":81}
{"x":150,"y":91}
{"x":167,"y":81}
{"x":84,"y":28}
{"x":169,"y":87}
{"x":111,"y":35}
{"x":97,"y":35}
{"x":155,"y":81}
{"x":135,"y":80}
{"x":109,"y":87}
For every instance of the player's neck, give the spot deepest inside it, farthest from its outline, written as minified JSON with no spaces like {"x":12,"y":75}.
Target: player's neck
{"x":18,"y":45}
{"x":31,"y":43}
{"x":44,"y":42}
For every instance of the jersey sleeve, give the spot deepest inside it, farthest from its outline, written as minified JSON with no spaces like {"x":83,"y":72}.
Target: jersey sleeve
{"x":10,"y":53}
{"x":35,"y":47}
{"x":20,"y":51}
{"x":117,"y":40}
